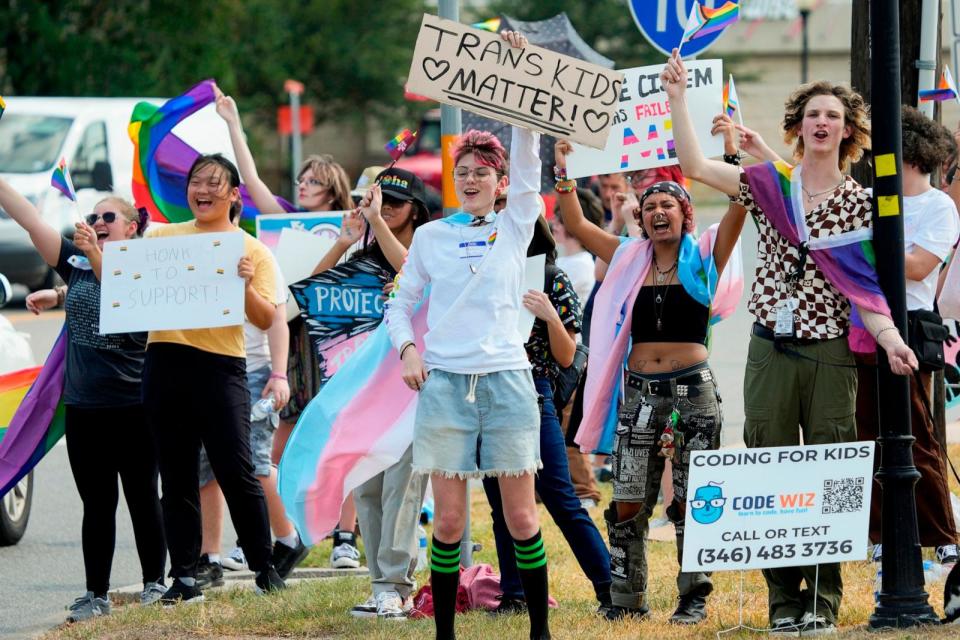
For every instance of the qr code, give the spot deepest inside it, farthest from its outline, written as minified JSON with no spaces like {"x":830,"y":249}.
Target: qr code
{"x":842,"y":496}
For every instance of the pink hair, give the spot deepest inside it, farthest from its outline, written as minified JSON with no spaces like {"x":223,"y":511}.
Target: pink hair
{"x":485,"y":147}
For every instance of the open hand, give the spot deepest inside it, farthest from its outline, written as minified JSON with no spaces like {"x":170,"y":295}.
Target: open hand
{"x":902,"y":359}
{"x":42,"y":300}
{"x":351,"y":228}
{"x":538,"y":303}
{"x":515,"y":38}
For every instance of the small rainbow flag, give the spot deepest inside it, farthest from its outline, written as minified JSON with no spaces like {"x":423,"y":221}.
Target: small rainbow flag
{"x":731,"y":102}
{"x":492,"y":25}
{"x":60,"y":180}
{"x":946,"y":89}
{"x":401,"y":143}
{"x":703,"y":21}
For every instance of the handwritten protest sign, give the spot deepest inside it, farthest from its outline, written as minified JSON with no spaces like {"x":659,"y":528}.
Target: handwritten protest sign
{"x":642,"y":133}
{"x":530,"y":87}
{"x":179,"y":282}
{"x":298,"y":253}
{"x":341,"y":306}
{"x":777,"y":506}
{"x":325,"y":224}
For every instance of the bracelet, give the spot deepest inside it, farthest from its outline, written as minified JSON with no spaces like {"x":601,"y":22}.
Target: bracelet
{"x":278,"y":376}
{"x":404,"y":348}
{"x":565,"y":186}
{"x":61,"y":294}
{"x":559,"y":173}
{"x":732,"y":158}
{"x":877,"y":337}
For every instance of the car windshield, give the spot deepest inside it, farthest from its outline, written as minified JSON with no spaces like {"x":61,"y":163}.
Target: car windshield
{"x":31,"y":143}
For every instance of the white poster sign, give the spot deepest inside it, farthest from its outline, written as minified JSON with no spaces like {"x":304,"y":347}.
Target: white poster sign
{"x":777,"y":506}
{"x":298,"y":253}
{"x":177,"y":282}
{"x":642,"y":133}
{"x":533,"y":276}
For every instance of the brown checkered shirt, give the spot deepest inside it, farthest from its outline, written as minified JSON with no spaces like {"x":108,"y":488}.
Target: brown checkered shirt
{"x":822,"y":312}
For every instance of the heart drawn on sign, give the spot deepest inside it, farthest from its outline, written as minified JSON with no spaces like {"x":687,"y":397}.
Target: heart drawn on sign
{"x":595,"y":120}
{"x":435,"y":68}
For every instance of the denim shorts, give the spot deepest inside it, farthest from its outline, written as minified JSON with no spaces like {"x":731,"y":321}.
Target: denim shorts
{"x":477,"y":425}
{"x":261,"y":433}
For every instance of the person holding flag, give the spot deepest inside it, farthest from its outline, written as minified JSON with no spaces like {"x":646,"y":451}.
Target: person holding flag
{"x":815,"y":298}
{"x":473,"y":375}
{"x":106,"y":431}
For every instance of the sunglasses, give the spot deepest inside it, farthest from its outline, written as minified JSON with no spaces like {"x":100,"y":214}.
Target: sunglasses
{"x":108,"y":218}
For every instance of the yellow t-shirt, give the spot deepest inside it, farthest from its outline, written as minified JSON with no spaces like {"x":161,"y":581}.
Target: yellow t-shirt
{"x":227,"y":341}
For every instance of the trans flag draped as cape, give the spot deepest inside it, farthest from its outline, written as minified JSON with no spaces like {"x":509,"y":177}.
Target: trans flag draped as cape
{"x":161,"y":160}
{"x":613,"y":314}
{"x":360,"y":423}
{"x":37,"y":419}
{"x":846,"y":259}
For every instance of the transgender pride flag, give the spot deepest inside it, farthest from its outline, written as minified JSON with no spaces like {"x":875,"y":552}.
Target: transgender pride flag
{"x":359,"y":424}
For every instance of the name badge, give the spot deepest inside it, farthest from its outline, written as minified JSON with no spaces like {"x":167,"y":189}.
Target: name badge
{"x":473,"y":249}
{"x":79,"y":262}
{"x":783,"y":327}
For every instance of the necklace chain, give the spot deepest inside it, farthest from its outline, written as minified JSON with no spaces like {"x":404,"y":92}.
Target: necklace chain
{"x":660,"y":298}
{"x":811,"y":196}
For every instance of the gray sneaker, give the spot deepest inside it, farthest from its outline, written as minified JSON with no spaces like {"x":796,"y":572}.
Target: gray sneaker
{"x":152,"y":592}
{"x":88,"y":606}
{"x":811,"y":625}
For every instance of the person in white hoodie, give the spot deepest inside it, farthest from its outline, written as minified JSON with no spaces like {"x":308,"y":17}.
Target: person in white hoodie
{"x":477,"y":414}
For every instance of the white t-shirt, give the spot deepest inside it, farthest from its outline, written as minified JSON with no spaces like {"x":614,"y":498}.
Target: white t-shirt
{"x":579,"y":268}
{"x":258,"y":350}
{"x":475,"y":275}
{"x":929,"y":222}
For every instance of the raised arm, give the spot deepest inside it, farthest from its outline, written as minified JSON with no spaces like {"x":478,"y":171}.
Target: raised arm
{"x":695,"y":165}
{"x":262,"y":197}
{"x":45,"y":238}
{"x":732,"y":222}
{"x":593,"y":238}
{"x":523,"y":204}
{"x":351,"y":229}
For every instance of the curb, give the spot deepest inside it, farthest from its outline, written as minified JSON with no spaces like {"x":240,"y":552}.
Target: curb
{"x":245,"y":580}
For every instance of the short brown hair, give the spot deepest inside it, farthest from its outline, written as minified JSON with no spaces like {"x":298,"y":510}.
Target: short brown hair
{"x":927,"y":144}
{"x":856,"y":115}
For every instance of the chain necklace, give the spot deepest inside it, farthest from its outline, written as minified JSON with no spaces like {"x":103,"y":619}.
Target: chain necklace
{"x":660,"y":298}
{"x":811,"y":196}
{"x":662,"y":275}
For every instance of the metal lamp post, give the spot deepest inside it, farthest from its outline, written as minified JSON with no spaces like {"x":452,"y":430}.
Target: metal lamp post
{"x":804,"y":7}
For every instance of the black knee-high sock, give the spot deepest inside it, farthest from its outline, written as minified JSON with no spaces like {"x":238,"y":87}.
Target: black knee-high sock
{"x":444,"y":580}
{"x":532,"y":566}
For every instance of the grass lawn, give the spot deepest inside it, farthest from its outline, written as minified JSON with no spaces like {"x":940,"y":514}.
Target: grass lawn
{"x":318,"y":609}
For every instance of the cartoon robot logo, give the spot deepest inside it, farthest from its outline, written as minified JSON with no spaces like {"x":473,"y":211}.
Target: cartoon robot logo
{"x":707,"y":504}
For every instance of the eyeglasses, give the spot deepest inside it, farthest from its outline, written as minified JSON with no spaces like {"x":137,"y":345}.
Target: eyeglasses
{"x":716,"y":503}
{"x":108,"y":218}
{"x":310,"y":182}
{"x":480,"y":173}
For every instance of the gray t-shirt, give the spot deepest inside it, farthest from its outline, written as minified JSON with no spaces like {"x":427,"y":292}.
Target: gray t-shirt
{"x":101,"y":370}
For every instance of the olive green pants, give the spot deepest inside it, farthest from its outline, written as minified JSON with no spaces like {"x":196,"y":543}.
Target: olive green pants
{"x":789,"y":390}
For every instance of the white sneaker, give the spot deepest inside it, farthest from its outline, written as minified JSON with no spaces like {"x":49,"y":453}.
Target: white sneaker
{"x":366,"y":610}
{"x":784,"y":628}
{"x":390,"y":606}
{"x":811,"y":625}
{"x":345,"y":556}
{"x":588,"y":503}
{"x":947,"y":554}
{"x":235,"y":560}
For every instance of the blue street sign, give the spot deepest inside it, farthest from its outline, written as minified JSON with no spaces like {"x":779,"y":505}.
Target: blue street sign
{"x":662,"y":23}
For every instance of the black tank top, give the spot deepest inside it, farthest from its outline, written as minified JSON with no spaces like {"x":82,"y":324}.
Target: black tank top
{"x":682,"y":319}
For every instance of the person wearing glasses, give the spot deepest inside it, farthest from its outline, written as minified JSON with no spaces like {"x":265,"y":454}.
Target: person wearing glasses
{"x":322,"y":185}
{"x":106,"y":430}
{"x":477,"y":413}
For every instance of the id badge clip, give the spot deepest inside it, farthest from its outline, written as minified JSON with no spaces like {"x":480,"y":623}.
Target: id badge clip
{"x":784,"y":326}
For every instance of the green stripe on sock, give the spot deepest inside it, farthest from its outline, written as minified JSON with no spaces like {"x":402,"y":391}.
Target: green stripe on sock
{"x":530,"y":556}
{"x":439,"y":569}
{"x":532,"y":565}
{"x":444,"y":553}
{"x":536,"y":545}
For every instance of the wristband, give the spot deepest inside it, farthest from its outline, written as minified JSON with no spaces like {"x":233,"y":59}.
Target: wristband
{"x":559,"y":174}
{"x":277,"y":376}
{"x":565,"y":186}
{"x":877,"y":337}
{"x":61,"y":294}
{"x":404,"y":348}
{"x":732,"y":158}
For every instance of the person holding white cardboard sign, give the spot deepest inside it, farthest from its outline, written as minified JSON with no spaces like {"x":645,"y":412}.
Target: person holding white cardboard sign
{"x":477,"y":411}
{"x":813,"y":221}
{"x":667,"y":286}
{"x":106,"y":431}
{"x":195,"y":391}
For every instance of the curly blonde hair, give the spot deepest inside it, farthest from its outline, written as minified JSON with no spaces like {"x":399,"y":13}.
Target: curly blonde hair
{"x":856,"y":115}
{"x":332,"y":176}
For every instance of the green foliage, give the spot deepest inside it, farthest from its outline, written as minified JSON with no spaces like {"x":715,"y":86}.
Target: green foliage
{"x":606,"y":25}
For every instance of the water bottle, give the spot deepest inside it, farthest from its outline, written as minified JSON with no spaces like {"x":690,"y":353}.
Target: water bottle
{"x":932,"y":572}
{"x":422,"y":562}
{"x":262,"y":409}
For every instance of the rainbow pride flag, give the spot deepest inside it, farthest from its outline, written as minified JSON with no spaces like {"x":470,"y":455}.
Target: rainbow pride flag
{"x":492,"y":25}
{"x":731,"y":102}
{"x":946,"y":89}
{"x":161,"y":160}
{"x":703,"y":21}
{"x":60,"y":180}
{"x":847,"y":259}
{"x":31,"y":415}
{"x":360,"y":423}
{"x":400,"y":144}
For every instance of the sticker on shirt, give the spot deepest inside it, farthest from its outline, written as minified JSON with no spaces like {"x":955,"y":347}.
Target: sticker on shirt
{"x":473,"y":249}
{"x":79,"y":262}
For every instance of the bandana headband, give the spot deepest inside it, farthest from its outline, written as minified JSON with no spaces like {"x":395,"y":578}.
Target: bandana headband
{"x":670,"y":188}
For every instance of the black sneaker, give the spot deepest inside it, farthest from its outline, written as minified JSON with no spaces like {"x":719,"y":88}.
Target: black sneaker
{"x":179,"y":592}
{"x":509,"y":606}
{"x":285,"y":558}
{"x":269,"y":581}
{"x":605,"y":603}
{"x":209,"y":574}
{"x":691,"y":609}
{"x":615,"y":613}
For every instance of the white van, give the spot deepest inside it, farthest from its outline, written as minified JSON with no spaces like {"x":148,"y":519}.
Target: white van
{"x":91,"y":133}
